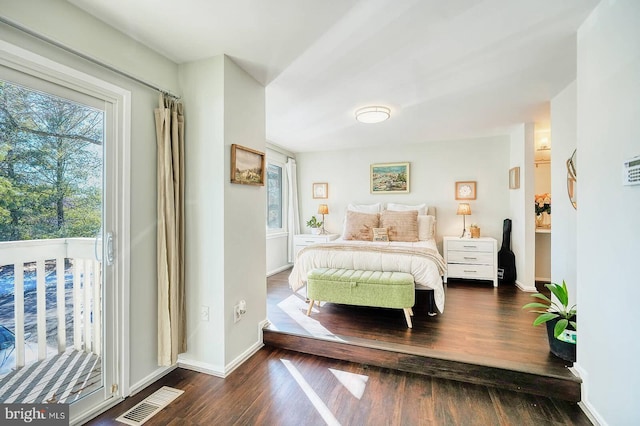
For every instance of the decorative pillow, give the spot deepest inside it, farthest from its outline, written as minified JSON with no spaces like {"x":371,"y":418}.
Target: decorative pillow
{"x":364,"y":208}
{"x":380,"y":234}
{"x":426,"y":227}
{"x":359,"y":226}
{"x":421,"y":208}
{"x":401,"y":226}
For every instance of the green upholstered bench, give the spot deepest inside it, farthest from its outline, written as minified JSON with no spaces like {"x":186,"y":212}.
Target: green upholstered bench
{"x":362,"y":288}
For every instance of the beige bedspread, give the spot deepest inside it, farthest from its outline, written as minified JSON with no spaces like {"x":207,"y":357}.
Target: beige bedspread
{"x":420,"y":259}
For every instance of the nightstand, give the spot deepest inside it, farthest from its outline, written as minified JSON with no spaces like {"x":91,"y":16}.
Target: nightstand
{"x":302,"y":240}
{"x":471,"y":258}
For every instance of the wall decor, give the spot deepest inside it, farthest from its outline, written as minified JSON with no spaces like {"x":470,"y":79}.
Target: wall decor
{"x":320,"y":190}
{"x":389,"y":178}
{"x":466,"y":190}
{"x":247,"y":165}
{"x":514,"y":178}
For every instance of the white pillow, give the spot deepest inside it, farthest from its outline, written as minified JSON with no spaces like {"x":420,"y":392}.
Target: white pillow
{"x":422,"y":208}
{"x":364,"y":208}
{"x":426,"y":227}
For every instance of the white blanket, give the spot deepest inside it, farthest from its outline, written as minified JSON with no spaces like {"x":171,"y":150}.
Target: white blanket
{"x":420,"y":259}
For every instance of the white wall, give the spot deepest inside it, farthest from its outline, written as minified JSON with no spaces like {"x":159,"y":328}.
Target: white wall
{"x":63,"y":22}
{"x":520,"y":203}
{"x":563,"y":235}
{"x":225,"y":222}
{"x":434,"y":169}
{"x":245,"y":216}
{"x":608,"y":93}
{"x":203,"y":88}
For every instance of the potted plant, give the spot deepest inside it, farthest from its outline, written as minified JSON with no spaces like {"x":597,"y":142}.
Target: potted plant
{"x":560,"y":320}
{"x":314,"y":224}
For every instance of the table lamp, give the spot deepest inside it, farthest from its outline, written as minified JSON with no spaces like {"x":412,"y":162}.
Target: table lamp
{"x":323,"y":209}
{"x":464,"y":209}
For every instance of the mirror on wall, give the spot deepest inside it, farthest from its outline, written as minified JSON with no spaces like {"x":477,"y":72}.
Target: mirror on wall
{"x":572,"y":180}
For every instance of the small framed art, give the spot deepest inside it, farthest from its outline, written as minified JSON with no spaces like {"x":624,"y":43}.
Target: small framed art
{"x":247,"y":165}
{"x":466,"y":190}
{"x":389,"y":178}
{"x":320,"y":190}
{"x":514,"y":178}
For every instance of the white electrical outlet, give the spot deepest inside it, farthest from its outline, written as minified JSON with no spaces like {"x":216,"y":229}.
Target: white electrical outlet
{"x":204,"y":313}
{"x":237,"y":313}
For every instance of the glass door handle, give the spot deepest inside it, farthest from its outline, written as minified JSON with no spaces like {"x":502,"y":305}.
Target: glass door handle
{"x":109,"y":256}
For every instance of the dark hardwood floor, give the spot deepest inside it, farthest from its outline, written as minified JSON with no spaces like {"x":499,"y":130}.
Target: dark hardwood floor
{"x":279,"y":387}
{"x":482,"y":337}
{"x":483,"y":328}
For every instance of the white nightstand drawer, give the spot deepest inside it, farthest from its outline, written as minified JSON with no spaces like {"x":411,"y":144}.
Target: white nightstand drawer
{"x":476,"y":258}
{"x":309,"y":241}
{"x":470,"y":271}
{"x":468,"y":245}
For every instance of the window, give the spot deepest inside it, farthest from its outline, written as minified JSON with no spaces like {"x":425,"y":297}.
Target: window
{"x":274,"y":197}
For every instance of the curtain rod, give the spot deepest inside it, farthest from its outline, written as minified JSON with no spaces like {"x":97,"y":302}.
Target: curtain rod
{"x":85,"y":57}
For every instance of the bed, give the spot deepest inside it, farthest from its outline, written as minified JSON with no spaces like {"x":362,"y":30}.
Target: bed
{"x":411,"y":247}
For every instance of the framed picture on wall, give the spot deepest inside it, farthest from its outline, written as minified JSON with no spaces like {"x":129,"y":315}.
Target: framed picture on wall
{"x":389,"y":178}
{"x":466,"y":190}
{"x":320,"y":190}
{"x":247,"y":165}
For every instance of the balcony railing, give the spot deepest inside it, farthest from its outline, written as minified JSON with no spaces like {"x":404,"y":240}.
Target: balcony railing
{"x":78,"y":277}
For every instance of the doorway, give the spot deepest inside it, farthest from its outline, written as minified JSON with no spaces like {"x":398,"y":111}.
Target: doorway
{"x":61,"y":203}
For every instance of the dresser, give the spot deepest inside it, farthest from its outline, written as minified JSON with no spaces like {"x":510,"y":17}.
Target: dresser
{"x":302,"y":240}
{"x":471,"y":258}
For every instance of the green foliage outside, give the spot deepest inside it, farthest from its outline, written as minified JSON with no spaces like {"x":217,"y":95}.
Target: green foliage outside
{"x":50,"y":166}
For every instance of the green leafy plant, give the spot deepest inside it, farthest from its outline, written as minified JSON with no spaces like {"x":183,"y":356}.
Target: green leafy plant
{"x":553,"y":310}
{"x":314,"y":223}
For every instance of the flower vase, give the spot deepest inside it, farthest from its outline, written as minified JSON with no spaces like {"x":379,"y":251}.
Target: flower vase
{"x":546,"y":220}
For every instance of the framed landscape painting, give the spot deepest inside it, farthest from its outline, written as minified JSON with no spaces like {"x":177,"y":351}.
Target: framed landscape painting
{"x":247,"y":165}
{"x":389,"y":178}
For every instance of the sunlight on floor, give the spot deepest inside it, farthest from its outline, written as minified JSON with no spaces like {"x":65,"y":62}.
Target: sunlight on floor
{"x":296,"y":308}
{"x":355,"y":383}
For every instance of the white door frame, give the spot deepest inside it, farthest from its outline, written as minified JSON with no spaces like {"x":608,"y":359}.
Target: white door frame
{"x":116,"y":207}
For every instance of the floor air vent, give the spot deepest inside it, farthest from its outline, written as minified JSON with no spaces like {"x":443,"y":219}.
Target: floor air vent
{"x":149,"y":406}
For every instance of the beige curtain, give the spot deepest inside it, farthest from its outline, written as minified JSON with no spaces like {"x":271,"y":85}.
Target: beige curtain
{"x":170,"y":252}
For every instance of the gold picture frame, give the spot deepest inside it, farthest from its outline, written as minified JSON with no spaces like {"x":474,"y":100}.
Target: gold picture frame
{"x":466,"y":190}
{"x":247,"y":166}
{"x":389,"y":178}
{"x":514,"y":178}
{"x":320,"y":190}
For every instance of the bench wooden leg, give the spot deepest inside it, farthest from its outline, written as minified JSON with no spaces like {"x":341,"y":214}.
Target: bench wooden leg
{"x":311,"y":307}
{"x":411,"y":311}
{"x":407,"y":315}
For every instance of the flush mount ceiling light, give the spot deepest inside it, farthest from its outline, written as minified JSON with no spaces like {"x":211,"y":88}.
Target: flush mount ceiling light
{"x":372,"y":114}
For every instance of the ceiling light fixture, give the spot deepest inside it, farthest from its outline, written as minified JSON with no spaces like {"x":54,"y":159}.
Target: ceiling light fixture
{"x":373,"y":114}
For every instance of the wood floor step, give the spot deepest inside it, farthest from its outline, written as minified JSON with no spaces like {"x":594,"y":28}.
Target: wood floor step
{"x":564,"y":385}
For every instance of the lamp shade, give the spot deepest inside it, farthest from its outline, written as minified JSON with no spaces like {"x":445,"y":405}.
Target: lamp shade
{"x":373,"y":114}
{"x":464,"y":209}
{"x":323,"y":209}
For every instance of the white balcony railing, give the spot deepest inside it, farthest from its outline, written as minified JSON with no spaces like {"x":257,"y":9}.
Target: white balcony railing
{"x":69,"y":256}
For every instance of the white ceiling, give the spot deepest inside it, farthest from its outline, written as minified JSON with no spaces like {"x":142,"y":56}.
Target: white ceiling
{"x":447,"y":69}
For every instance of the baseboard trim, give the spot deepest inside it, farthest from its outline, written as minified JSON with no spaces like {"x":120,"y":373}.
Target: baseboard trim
{"x":201,"y":367}
{"x":229,"y":368}
{"x":280,"y":269}
{"x":150,"y":379}
{"x":548,"y":280}
{"x":213,"y":370}
{"x":525,"y":287}
{"x":584,"y":404}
